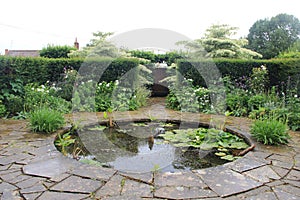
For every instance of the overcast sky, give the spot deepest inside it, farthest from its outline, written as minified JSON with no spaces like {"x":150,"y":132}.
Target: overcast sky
{"x":32,"y":24}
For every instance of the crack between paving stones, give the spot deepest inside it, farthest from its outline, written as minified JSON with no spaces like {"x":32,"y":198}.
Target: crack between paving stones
{"x":105,"y":182}
{"x":138,"y":180}
{"x":289,"y":170}
{"x":69,"y":192}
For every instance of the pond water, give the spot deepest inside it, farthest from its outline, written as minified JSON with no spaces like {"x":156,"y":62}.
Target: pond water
{"x":138,"y":147}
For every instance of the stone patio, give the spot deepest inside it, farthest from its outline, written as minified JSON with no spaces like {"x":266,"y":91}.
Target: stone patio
{"x":32,"y":168}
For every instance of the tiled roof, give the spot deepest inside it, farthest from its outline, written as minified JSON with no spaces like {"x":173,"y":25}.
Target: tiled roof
{"x":23,"y":53}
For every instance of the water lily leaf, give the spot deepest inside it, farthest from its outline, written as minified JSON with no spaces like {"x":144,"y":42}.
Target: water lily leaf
{"x":228,"y":157}
{"x":208,"y":146}
{"x":223,"y":149}
{"x":239,"y":145}
{"x":97,"y":128}
{"x":181,"y":145}
{"x":221,"y":154}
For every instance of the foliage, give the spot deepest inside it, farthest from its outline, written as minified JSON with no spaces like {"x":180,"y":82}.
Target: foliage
{"x":206,"y":139}
{"x":236,"y":102}
{"x":84,"y":96}
{"x":46,"y":120}
{"x":99,"y":46}
{"x":217,"y":43}
{"x":2,"y":109}
{"x":108,"y":95}
{"x":16,"y":72}
{"x":44,"y":95}
{"x":269,"y":37}
{"x":63,"y":141}
{"x":52,"y":51}
{"x":66,"y":84}
{"x":168,"y":57}
{"x":189,"y":99}
{"x":270,"y":132}
{"x":104,"y":94}
{"x":258,"y":81}
{"x":292,"y":52}
{"x":278,"y":69}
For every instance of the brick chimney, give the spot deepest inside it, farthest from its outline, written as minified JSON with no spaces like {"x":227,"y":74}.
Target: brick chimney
{"x":6,"y":52}
{"x":76,"y":44}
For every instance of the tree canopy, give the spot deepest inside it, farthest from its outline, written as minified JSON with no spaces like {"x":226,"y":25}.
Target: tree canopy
{"x":218,"y":42}
{"x":99,"y":46}
{"x":269,"y":37}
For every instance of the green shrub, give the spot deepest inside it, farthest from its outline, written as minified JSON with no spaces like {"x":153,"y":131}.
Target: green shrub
{"x":142,"y":94}
{"x":2,"y":109}
{"x":236,"y":102}
{"x":257,"y":101}
{"x":270,"y":132}
{"x":52,"y":51}
{"x":103,"y":95}
{"x":278,"y":69}
{"x":46,"y":120}
{"x":43,"y":95}
{"x":259,"y":80}
{"x":293,"y":106}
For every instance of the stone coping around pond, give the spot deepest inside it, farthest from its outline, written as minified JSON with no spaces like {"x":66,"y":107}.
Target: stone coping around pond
{"x":32,"y":168}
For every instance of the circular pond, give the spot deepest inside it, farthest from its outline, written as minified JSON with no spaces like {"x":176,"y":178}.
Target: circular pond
{"x":150,"y":146}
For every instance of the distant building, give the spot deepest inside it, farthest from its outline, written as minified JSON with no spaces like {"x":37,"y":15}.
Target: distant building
{"x":30,"y":53}
{"x":22,"y":53}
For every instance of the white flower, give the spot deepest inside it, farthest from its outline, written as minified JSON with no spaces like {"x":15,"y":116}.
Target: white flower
{"x":263,"y":67}
{"x":117,"y":82}
{"x":107,"y":85}
{"x":296,"y":96}
{"x":89,"y":81}
{"x":43,"y":86}
{"x":100,"y":83}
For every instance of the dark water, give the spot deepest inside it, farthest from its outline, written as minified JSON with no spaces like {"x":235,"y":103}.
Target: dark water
{"x":138,"y":148}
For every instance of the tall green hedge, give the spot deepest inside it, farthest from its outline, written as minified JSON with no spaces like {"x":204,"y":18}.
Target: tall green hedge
{"x":21,"y":70}
{"x":280,"y":70}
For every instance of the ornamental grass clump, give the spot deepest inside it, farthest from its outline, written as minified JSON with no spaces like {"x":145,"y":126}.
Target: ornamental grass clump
{"x":46,"y":120}
{"x":270,"y":132}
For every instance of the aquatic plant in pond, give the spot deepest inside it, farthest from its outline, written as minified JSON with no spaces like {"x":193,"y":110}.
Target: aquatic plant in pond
{"x":139,"y":147}
{"x":226,"y":144}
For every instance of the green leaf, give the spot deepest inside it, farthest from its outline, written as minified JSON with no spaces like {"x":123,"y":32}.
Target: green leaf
{"x":221,"y":154}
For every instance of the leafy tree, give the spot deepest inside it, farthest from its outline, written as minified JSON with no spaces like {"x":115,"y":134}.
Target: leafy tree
{"x":218,"y":42}
{"x":291,"y":52}
{"x":99,"y":46}
{"x":270,"y":37}
{"x":52,"y":51}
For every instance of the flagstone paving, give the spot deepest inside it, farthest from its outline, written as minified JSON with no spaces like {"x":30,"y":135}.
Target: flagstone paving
{"x":32,"y":168}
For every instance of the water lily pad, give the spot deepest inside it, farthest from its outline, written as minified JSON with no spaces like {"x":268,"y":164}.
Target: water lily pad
{"x":230,"y":157}
{"x":221,"y":154}
{"x":97,"y":128}
{"x":208,"y":146}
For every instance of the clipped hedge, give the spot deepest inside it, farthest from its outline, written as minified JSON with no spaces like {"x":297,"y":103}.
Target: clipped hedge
{"x":280,"y":70}
{"x":19,"y":71}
